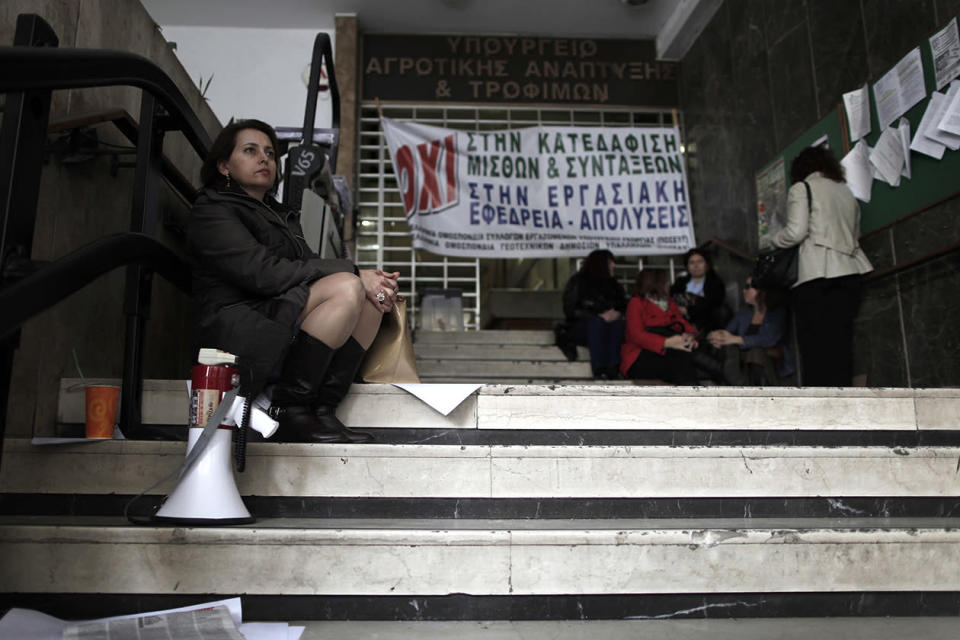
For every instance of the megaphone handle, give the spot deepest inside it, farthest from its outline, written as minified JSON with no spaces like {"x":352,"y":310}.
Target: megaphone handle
{"x":240,"y":437}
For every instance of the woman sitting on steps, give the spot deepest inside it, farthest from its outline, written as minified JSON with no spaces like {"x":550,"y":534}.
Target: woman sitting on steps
{"x":294,"y":319}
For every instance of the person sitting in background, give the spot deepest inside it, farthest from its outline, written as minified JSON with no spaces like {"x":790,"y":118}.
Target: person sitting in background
{"x":658,"y":340}
{"x":752,"y":346}
{"x":593,"y":303}
{"x":701,"y":293}
{"x":259,"y":292}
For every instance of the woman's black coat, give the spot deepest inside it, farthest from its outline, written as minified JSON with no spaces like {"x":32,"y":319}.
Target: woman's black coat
{"x":708,"y":311}
{"x":252,"y":271}
{"x":583,"y":298}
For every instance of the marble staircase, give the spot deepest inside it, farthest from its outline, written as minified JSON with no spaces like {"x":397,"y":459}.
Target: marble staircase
{"x":525,"y":502}
{"x":497,"y":357}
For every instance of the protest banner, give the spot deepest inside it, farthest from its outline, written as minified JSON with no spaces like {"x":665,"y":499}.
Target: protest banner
{"x":542,"y":191}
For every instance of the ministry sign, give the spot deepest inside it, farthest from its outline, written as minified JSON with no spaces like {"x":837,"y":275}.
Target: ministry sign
{"x":518,"y":70}
{"x":542,"y":191}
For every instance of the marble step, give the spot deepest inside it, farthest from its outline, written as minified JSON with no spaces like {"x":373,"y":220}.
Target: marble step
{"x":500,"y":472}
{"x":480,"y":557}
{"x":486,"y":337}
{"x":536,"y":353}
{"x":492,"y":371}
{"x":875,"y":628}
{"x":536,"y":380}
{"x":601,"y":407}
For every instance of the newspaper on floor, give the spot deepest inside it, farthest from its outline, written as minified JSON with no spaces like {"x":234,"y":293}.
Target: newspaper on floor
{"x":200,"y":624}
{"x":26,"y":624}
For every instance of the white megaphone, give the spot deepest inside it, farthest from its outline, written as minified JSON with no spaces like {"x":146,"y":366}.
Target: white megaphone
{"x":206,"y":493}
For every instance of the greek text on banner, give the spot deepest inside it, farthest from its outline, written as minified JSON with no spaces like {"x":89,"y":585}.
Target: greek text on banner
{"x":542,"y":191}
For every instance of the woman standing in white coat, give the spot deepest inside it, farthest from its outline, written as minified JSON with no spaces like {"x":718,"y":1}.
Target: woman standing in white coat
{"x":830,"y":263}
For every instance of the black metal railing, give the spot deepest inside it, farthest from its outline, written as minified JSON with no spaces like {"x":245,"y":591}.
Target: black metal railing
{"x":56,"y":280}
{"x":32,"y":69}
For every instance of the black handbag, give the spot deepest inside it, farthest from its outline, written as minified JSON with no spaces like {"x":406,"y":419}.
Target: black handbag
{"x":777,"y":268}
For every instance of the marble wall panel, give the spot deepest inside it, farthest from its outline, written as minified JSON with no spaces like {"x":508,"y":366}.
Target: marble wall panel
{"x":706,"y":76}
{"x":930,"y":309}
{"x":791,"y":86}
{"x":839,"y":50}
{"x":946,"y":9}
{"x":781,"y":18}
{"x":879,"y":250}
{"x":878,"y":348}
{"x":927,"y":232}
{"x":893,"y":28}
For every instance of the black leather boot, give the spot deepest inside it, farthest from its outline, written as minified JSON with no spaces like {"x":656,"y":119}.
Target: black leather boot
{"x":336,"y":383}
{"x":295,"y":392}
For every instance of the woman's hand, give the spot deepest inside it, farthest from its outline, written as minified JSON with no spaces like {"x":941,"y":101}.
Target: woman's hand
{"x":722,"y":338}
{"x":610,"y":315}
{"x":683,"y":342}
{"x":375,"y":282}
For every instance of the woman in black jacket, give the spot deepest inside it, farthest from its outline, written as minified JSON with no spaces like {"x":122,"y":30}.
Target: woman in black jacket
{"x":701,"y":294}
{"x":594,"y":302}
{"x":259,"y":292}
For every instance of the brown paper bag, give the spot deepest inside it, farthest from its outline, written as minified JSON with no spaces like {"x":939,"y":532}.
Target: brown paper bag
{"x":390,"y":358}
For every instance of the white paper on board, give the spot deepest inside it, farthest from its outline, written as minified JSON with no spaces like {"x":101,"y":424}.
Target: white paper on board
{"x":899,"y":89}
{"x":857,"y":105}
{"x":904,"y":130}
{"x":441,"y":397}
{"x":887,"y":156}
{"x":945,"y":47}
{"x":921,"y":142}
{"x":950,"y":121}
{"x":858,"y":171}
{"x":936,"y":107}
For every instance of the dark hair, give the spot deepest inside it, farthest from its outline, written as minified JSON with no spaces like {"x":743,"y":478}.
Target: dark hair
{"x":819,"y":158}
{"x":651,"y":282}
{"x":223,"y":147}
{"x":596,"y":266}
{"x":696,"y":251}
{"x":769,"y":298}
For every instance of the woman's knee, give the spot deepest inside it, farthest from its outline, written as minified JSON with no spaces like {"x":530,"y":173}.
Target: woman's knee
{"x":342,"y":287}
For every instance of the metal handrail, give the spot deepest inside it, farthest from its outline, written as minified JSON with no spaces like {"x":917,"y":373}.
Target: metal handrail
{"x":41,"y":290}
{"x":30,"y":68}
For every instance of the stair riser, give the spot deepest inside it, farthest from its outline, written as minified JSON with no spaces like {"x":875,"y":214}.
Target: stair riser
{"x":500,"y":353}
{"x":617,"y":407}
{"x":490,"y":370}
{"x":401,"y":471}
{"x":361,"y":562}
{"x":492,"y":338}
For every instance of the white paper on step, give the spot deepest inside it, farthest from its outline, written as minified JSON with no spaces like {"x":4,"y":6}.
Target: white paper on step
{"x":443,"y":398}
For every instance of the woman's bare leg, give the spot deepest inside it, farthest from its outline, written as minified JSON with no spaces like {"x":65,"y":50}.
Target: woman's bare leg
{"x":368,"y":324}
{"x":334,"y":308}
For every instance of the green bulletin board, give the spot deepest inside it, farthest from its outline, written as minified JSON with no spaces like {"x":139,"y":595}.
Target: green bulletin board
{"x":932,"y":180}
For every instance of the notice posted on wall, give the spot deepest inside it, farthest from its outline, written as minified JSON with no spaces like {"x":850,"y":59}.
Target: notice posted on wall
{"x":542,"y":191}
{"x":945,"y":47}
{"x":899,"y":89}
{"x":771,"y":198}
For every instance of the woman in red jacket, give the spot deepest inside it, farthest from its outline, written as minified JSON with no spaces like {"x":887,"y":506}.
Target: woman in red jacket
{"x":658,"y":340}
